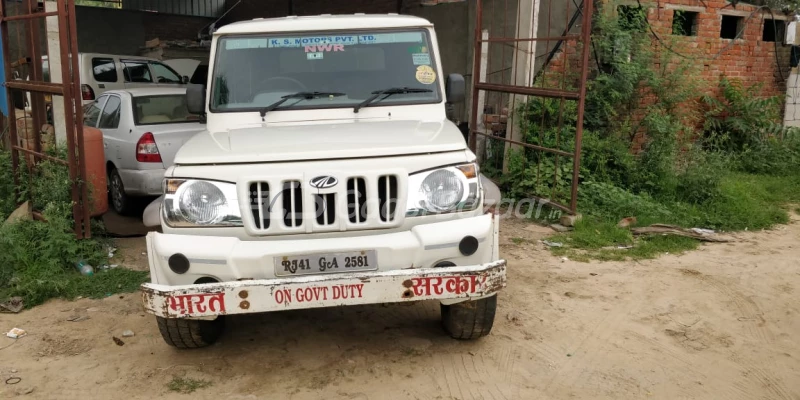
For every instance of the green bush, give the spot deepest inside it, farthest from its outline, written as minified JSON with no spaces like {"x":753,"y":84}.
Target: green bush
{"x":7,"y":201}
{"x":37,"y":258}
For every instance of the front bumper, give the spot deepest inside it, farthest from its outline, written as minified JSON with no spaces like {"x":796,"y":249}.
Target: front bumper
{"x":246,"y":279}
{"x":142,"y":182}
{"x":227,"y":298}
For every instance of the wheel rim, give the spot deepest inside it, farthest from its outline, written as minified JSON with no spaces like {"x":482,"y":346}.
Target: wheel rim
{"x":116,"y":192}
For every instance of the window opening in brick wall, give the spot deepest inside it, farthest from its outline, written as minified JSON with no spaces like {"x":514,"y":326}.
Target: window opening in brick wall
{"x":731,"y":25}
{"x":632,"y":18}
{"x":684,"y":23}
{"x":774,"y":30}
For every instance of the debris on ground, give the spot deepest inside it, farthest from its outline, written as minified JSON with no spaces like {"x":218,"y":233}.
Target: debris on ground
{"x":128,"y":333}
{"x":661,"y":229}
{"x":515,"y":317}
{"x":627,"y":222}
{"x":559,"y":228}
{"x":570,"y":220}
{"x":13,"y":305}
{"x":564,"y":259}
{"x":703,"y":231}
{"x":16,"y":333}
{"x":23,"y":213}
{"x":78,"y":318}
{"x":118,"y":341}
{"x":111,"y":251}
{"x":552,"y":244}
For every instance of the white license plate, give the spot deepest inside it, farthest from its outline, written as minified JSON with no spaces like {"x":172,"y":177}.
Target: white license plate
{"x":332,"y":263}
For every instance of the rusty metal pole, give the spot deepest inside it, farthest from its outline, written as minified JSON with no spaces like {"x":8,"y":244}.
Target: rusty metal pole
{"x":12,"y":117}
{"x":38,"y":115}
{"x":69,"y":115}
{"x":476,"y":74}
{"x":586,"y":35}
{"x":73,"y":98}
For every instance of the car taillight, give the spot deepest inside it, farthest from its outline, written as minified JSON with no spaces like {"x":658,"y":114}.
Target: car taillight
{"x":87,"y":93}
{"x":146,"y":149}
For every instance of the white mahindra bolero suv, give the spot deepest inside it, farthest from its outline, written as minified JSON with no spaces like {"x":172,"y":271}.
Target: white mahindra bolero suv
{"x":328,"y":175}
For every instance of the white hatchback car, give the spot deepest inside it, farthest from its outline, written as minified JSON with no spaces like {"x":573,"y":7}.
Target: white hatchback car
{"x":142,"y":131}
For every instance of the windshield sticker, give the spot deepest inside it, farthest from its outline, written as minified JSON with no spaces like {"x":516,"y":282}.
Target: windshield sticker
{"x":421,"y":58}
{"x":324,"y":47}
{"x":381,"y":38}
{"x":426,"y":75}
{"x":418,"y":49}
{"x":314,"y":56}
{"x":236,"y":44}
{"x":315,"y":40}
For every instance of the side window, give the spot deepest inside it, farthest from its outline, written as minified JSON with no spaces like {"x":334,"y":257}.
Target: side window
{"x":110,"y":116}
{"x":91,"y":112}
{"x":104,"y":69}
{"x":137,"y":71}
{"x":165,"y":74}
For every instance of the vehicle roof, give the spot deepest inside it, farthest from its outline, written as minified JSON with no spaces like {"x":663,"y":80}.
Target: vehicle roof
{"x":123,"y":56}
{"x":140,"y":92}
{"x":324,"y":22}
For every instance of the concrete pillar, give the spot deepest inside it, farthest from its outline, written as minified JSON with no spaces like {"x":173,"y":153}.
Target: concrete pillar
{"x":54,"y":56}
{"x":522,"y":67}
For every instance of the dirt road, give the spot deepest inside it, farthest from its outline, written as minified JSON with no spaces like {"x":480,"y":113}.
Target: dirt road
{"x":718,"y":323}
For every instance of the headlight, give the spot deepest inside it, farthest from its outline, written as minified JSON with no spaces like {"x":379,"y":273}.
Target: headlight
{"x":189,"y":203}
{"x":444,"y":190}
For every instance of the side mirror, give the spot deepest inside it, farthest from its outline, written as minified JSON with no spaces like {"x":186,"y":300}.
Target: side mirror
{"x":196,"y":98}
{"x":185,"y":79}
{"x":455,"y":88}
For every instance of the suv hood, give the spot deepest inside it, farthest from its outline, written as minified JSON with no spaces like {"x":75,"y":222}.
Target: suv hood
{"x":321,"y":140}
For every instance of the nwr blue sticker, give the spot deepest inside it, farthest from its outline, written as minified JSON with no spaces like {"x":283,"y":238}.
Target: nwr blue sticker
{"x":421,"y":58}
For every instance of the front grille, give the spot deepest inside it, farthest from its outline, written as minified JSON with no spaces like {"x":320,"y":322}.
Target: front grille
{"x":260,"y":204}
{"x":357,"y":200}
{"x":325,"y":207}
{"x":387,"y":196}
{"x":292,"y":202}
{"x":278,"y":206}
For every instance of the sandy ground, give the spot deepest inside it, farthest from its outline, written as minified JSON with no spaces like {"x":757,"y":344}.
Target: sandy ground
{"x":718,"y":323}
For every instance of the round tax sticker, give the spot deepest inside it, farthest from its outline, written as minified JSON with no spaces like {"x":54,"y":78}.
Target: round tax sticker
{"x":426,"y":75}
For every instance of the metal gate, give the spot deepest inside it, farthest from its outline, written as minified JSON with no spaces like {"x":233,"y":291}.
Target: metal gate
{"x":23,"y":27}
{"x":529,"y":90}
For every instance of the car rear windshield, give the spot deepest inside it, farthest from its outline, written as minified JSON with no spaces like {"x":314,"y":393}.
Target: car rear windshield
{"x":253,"y":71}
{"x":165,"y":109}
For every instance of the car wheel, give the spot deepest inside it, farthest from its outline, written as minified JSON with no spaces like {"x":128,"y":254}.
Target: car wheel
{"x":470,"y":319}
{"x":120,"y":201}
{"x":189,"y":333}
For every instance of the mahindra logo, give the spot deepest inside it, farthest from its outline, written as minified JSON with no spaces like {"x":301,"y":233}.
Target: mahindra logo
{"x":323,"y":182}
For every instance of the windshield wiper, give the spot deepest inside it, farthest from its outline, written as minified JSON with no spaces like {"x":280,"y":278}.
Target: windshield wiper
{"x":388,"y":92}
{"x":298,"y":95}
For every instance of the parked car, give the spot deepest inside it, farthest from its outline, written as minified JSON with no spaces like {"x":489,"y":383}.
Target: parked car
{"x":102,"y":72}
{"x":142,"y":131}
{"x":196,"y":70}
{"x":327,"y":175}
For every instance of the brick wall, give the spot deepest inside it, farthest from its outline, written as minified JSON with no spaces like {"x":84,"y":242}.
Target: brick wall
{"x":748,"y":58}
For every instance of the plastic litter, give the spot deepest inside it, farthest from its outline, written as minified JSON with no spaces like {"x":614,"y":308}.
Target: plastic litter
{"x":16,"y":333}
{"x":553,"y":244}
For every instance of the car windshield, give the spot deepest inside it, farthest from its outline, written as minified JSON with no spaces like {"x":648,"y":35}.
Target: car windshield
{"x":252,"y":72}
{"x":165,"y":109}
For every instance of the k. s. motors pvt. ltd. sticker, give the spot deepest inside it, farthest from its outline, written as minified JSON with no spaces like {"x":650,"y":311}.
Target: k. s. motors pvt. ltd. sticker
{"x":421,"y":58}
{"x":426,"y":75}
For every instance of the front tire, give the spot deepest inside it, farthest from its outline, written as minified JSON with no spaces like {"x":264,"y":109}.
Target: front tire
{"x":189,"y":333}
{"x":470,"y":319}
{"x":120,"y":201}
